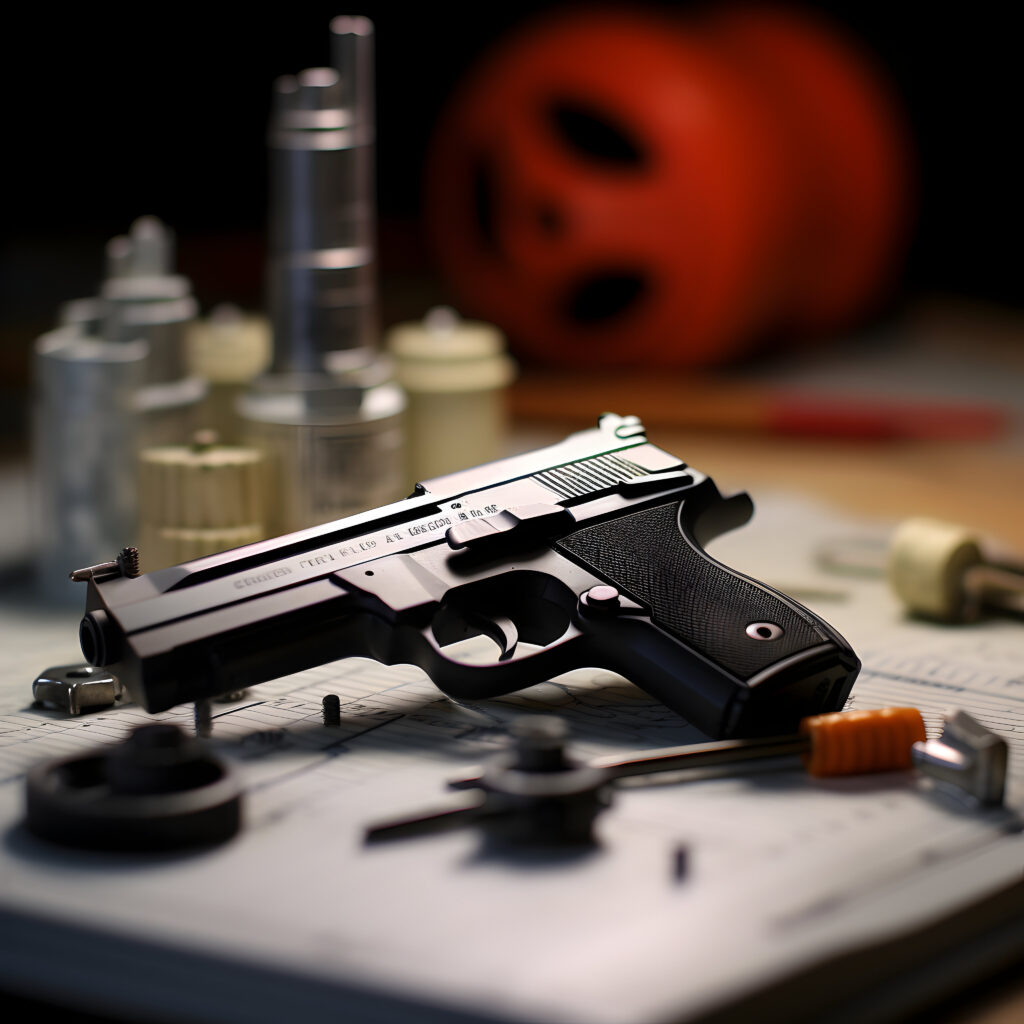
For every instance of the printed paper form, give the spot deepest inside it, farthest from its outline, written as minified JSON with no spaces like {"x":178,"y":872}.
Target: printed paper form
{"x":782,"y":869}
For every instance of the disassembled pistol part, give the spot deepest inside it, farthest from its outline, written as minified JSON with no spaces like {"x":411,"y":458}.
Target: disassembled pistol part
{"x":126,"y":564}
{"x":74,"y":688}
{"x":202,"y":714}
{"x":331,"y":707}
{"x":158,"y":790}
{"x":533,"y":794}
{"x":967,"y":757}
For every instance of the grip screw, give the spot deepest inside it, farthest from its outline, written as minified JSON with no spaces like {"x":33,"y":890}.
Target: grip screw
{"x":764,"y":631}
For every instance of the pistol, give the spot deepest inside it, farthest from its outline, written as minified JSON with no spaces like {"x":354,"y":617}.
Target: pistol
{"x":587,"y":553}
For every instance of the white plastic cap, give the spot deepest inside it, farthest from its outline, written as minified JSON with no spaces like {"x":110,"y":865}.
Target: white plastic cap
{"x":444,"y":353}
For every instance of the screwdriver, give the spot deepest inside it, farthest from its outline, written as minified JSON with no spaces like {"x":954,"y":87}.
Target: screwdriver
{"x":541,"y":773}
{"x":838,"y":743}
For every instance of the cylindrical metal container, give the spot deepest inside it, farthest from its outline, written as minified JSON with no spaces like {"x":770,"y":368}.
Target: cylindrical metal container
{"x":85,"y":435}
{"x":321,"y":269}
{"x":143,"y":298}
{"x":333,"y":447}
{"x":328,"y":415}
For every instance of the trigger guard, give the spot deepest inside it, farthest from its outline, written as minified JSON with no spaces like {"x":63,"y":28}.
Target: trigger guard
{"x":463,"y":680}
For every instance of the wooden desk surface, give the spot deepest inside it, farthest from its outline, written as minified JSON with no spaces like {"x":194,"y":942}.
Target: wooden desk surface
{"x":940,"y":357}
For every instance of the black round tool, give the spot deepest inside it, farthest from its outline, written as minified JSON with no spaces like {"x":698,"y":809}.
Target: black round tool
{"x":532,"y":794}
{"x":540,"y":794}
{"x":158,"y":790}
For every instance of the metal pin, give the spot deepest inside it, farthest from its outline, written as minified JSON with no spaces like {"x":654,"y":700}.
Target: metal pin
{"x":203,"y":719}
{"x":331,"y":706}
{"x":126,"y":564}
{"x":680,"y":862}
{"x":689,"y":756}
{"x":100,"y":571}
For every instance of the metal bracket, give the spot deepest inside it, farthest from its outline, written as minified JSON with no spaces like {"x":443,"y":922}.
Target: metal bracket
{"x":968,"y":757}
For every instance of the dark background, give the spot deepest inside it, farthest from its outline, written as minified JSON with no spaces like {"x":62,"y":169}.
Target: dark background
{"x":163,"y":110}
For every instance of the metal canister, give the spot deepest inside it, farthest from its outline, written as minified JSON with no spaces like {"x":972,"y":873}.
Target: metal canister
{"x":84,"y":437}
{"x":111,"y":379}
{"x":333,"y":446}
{"x":328,"y":414}
{"x":321,"y":266}
{"x":142,"y":297}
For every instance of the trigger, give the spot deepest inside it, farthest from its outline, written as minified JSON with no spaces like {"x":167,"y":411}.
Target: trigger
{"x":502,"y":630}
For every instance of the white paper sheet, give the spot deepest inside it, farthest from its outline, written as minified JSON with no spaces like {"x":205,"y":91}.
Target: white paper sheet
{"x":782,"y":871}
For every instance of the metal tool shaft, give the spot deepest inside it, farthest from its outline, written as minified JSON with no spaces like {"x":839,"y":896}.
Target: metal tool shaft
{"x":706,"y":755}
{"x":688,"y":757}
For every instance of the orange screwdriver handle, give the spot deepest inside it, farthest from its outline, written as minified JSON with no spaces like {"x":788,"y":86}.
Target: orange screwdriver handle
{"x":858,"y":742}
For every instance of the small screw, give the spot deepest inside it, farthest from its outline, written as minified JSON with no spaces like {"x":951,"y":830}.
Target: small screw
{"x":128,"y":561}
{"x":331,"y":705}
{"x":126,"y":564}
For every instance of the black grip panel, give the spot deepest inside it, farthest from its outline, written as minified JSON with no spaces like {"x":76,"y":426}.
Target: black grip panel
{"x":701,"y":603}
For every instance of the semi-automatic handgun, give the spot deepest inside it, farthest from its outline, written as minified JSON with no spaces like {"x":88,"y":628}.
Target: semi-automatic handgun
{"x":588,"y":553}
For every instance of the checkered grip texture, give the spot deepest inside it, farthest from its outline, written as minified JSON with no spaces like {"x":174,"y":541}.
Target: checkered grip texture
{"x":701,"y":603}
